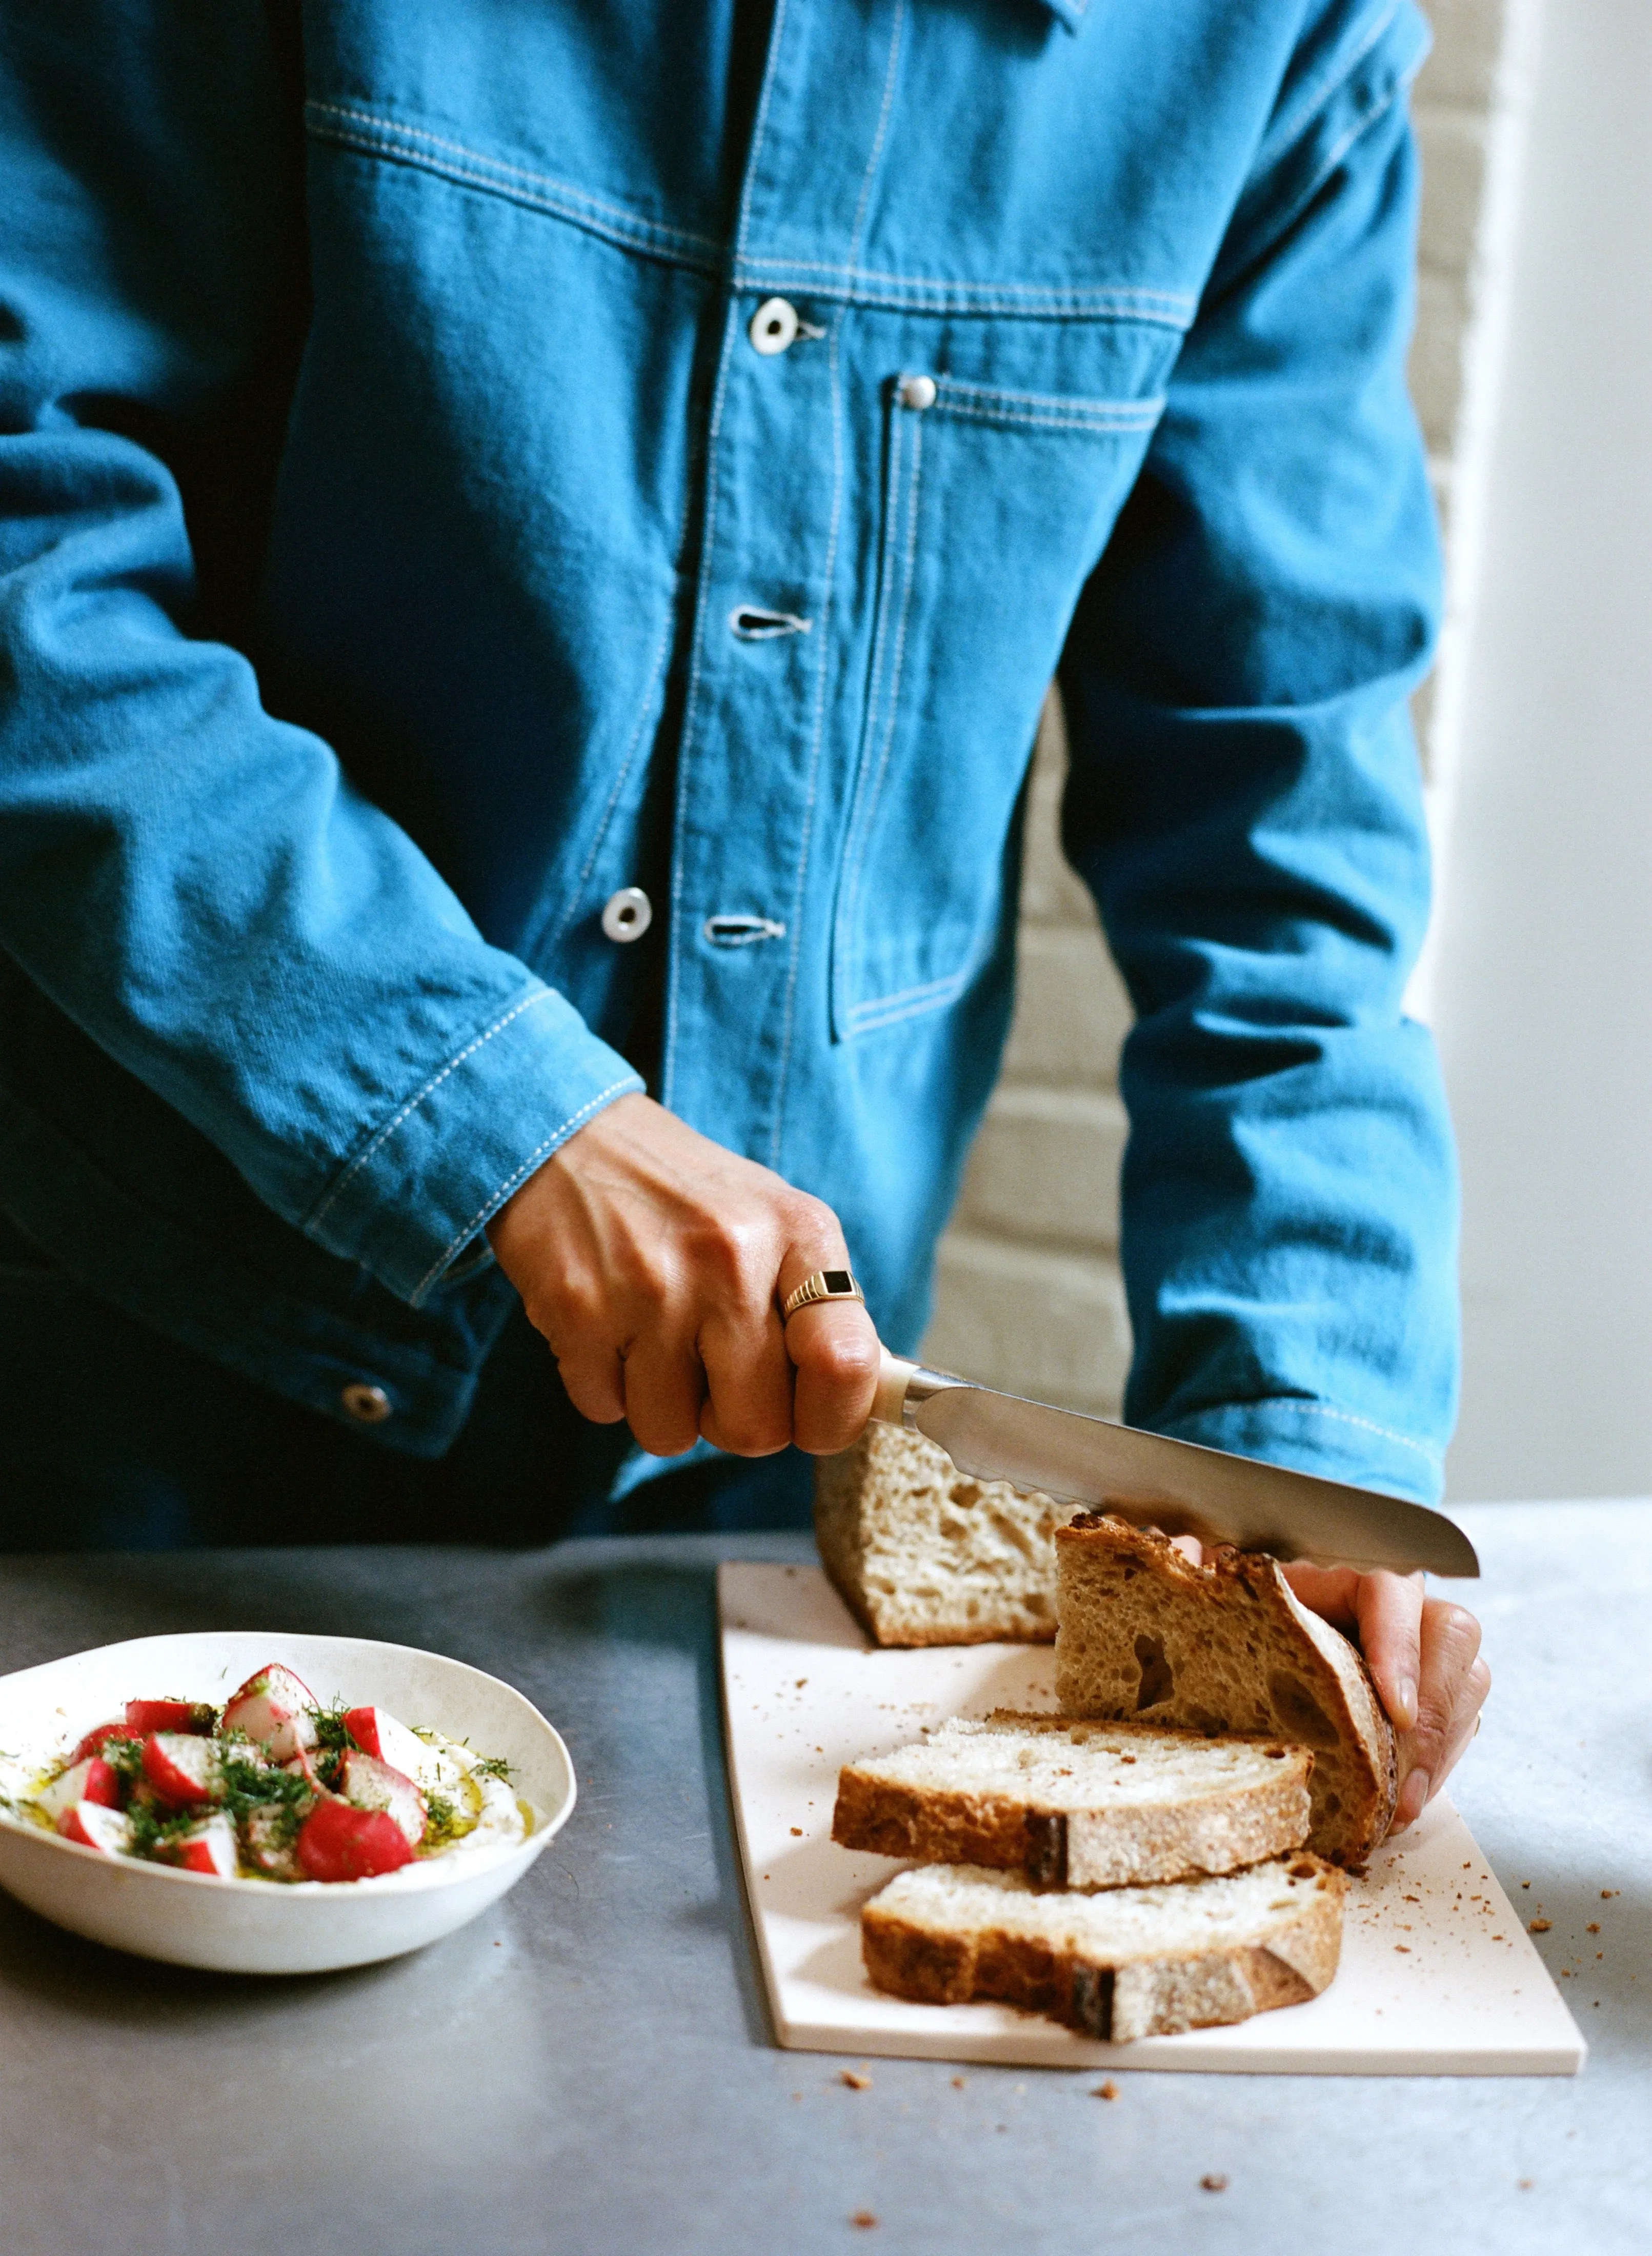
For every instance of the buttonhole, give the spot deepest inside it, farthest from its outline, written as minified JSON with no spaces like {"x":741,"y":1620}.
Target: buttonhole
{"x":755,"y":625}
{"x":741,"y":931}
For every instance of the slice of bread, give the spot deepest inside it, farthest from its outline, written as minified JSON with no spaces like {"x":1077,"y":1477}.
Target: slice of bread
{"x":924,"y":1554}
{"x":1077,"y":1805}
{"x":1128,"y":1962}
{"x":1222,"y":1647}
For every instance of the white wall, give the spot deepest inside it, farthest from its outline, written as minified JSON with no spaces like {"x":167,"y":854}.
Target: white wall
{"x":1541,"y":988}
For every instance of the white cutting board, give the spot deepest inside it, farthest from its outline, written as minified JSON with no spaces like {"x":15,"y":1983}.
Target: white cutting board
{"x":1438,"y":1976}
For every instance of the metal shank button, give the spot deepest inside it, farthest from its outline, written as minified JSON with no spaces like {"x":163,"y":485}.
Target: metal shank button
{"x":627,"y":914}
{"x":369,"y":1406}
{"x":917,"y":392}
{"x":773,"y":326}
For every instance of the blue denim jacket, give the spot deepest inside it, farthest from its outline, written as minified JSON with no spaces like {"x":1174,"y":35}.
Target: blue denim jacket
{"x":405,"y":542}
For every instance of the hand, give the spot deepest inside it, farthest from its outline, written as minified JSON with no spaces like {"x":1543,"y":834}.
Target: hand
{"x":1423,"y":1654}
{"x":652,"y":1260}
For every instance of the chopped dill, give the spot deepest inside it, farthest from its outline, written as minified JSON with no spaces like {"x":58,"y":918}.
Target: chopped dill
{"x":330,"y":1731}
{"x":490,"y":1767}
{"x":442,"y":1822}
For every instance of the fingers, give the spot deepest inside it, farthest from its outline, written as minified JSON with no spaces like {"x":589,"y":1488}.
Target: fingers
{"x":1453,"y":1683}
{"x":1424,"y":1655}
{"x":1388,"y":1612}
{"x":833,"y":1348}
{"x":650,"y":1258}
{"x":1382,"y":1613}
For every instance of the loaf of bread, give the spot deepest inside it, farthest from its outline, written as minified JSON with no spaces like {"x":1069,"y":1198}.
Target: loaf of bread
{"x":924,"y":1554}
{"x":1124,"y":1963}
{"x":1077,"y":1805}
{"x":1222,"y":1647}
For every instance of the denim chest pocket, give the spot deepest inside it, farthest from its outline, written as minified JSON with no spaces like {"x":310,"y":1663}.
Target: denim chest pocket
{"x":995,"y":506}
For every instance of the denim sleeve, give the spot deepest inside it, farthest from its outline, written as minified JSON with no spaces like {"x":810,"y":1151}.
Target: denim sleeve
{"x":1246,"y":803}
{"x":192,"y":881}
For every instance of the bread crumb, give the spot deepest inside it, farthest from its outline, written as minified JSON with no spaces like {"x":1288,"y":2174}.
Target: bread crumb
{"x":1525,"y":1884}
{"x":958,"y":2083}
{"x":1524,"y":2184}
{"x":1606,"y":1894}
{"x":801,"y":1681}
{"x":856,"y":2081}
{"x":797,"y":1832}
{"x":1213,"y":2181}
{"x":864,"y":2218}
{"x":1594,"y":1927}
{"x":1108,"y":2091}
{"x":1540,"y":1926}
{"x":1405,"y":1947}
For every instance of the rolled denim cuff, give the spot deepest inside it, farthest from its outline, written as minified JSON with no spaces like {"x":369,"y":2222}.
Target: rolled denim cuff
{"x":423,"y":1186}
{"x":1319,"y":1437}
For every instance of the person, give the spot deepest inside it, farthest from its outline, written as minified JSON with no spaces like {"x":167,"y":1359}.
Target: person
{"x":532,"y":539}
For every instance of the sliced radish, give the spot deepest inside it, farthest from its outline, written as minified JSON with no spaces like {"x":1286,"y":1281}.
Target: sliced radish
{"x":93,"y":1744}
{"x":369,"y":1784}
{"x":376,"y":1731}
{"x":183,"y":1769}
{"x":91,"y":1780}
{"x":338,"y":1842}
{"x":143,"y":1717}
{"x":275,"y":1707}
{"x":94,"y":1827}
{"x":208,"y":1847}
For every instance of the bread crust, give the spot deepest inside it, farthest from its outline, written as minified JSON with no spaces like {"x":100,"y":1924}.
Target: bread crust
{"x":1226,"y":1647}
{"x":1294,"y":1960}
{"x":1109,"y":1846}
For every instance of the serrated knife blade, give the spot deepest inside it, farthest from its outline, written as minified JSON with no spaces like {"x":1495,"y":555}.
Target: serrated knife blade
{"x":1179,"y":1486}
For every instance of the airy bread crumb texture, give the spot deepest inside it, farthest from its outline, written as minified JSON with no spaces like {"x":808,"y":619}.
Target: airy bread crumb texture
{"x":1222,"y":1647}
{"x":924,"y":1554}
{"x":1077,"y":1805}
{"x":1125,"y":1963}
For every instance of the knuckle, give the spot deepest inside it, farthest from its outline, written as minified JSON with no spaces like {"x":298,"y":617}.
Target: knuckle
{"x":809,"y":1216}
{"x":1458,"y":1628}
{"x":844,"y":1359}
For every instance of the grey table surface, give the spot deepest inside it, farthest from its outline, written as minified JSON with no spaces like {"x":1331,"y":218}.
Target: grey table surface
{"x":591,"y":2066}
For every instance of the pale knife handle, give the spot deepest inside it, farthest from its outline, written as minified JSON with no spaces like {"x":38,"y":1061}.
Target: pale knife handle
{"x":894,"y":1376}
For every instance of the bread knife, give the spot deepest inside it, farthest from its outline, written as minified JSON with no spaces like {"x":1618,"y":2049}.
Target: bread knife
{"x":1178,"y":1486}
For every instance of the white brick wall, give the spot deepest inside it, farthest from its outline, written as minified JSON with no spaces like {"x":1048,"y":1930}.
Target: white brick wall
{"x":1029,"y":1294}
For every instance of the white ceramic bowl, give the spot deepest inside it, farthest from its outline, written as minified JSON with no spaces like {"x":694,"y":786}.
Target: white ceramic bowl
{"x":260,"y":1927}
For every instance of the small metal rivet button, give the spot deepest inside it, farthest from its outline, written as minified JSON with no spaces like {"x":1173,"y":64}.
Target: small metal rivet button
{"x":917,"y":392}
{"x":369,"y":1405}
{"x":627,"y":914}
{"x":773,"y":326}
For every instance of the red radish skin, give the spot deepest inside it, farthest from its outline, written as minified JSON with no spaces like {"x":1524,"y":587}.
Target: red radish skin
{"x":143,"y":1717}
{"x":183,"y":1770}
{"x":338,"y":1842}
{"x":209,"y":1848}
{"x":94,"y":1827}
{"x":93,"y":1744}
{"x":369,"y":1784}
{"x":377,"y":1733}
{"x":91,"y":1780}
{"x":275,"y":1707}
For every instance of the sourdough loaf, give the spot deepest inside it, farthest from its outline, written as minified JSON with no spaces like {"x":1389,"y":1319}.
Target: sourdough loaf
{"x":1077,"y":1805}
{"x":1222,"y":1647}
{"x":1124,"y":1963}
{"x":925,"y":1554}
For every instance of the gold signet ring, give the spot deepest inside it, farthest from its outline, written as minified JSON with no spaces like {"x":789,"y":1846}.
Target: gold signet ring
{"x":824,"y":1285}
